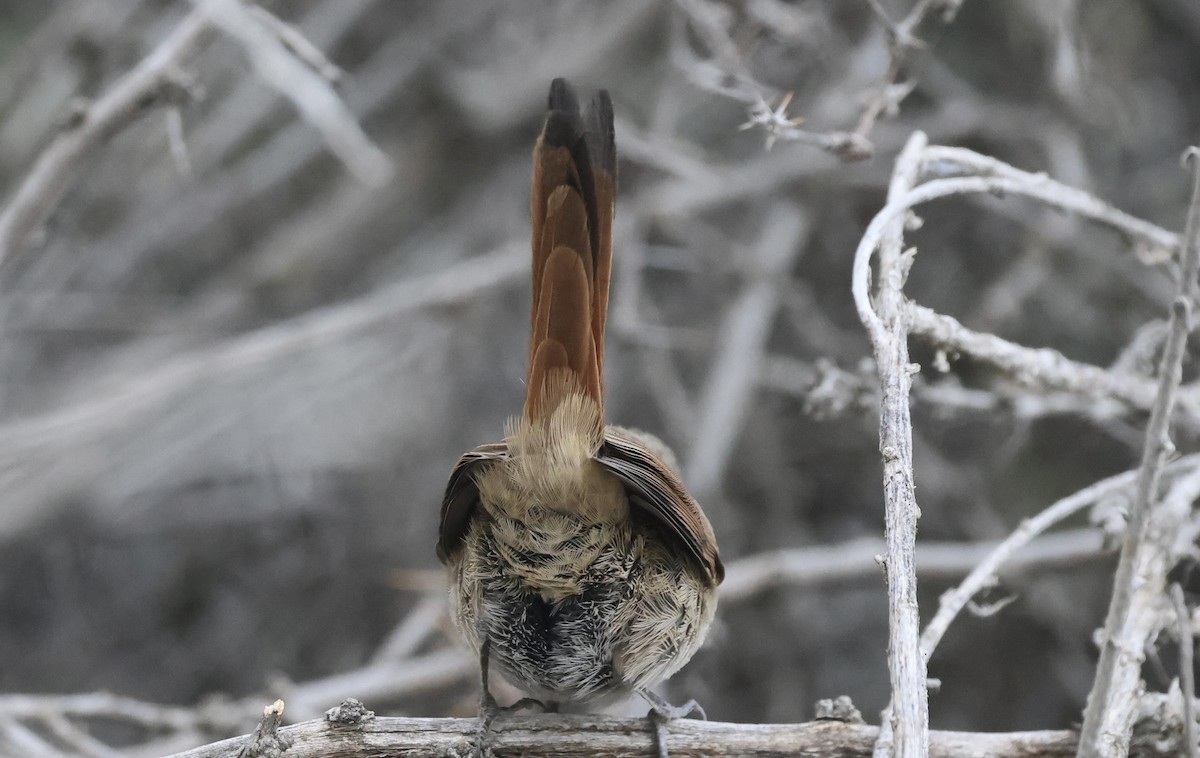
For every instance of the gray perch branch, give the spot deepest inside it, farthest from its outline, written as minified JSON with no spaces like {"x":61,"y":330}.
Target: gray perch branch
{"x":558,"y":735}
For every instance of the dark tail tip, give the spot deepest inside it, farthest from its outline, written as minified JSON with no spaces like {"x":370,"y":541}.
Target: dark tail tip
{"x":601,"y":135}
{"x":562,"y":98}
{"x":564,"y":126}
{"x":567,"y":127}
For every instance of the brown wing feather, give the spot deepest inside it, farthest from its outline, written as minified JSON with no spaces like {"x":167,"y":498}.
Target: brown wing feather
{"x":571,"y":201}
{"x":462,"y":495}
{"x":652,"y":486}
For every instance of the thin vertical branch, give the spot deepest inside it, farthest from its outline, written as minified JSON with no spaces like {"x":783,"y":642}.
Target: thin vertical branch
{"x":1108,"y":718}
{"x":909,"y":713}
{"x":1187,"y":677}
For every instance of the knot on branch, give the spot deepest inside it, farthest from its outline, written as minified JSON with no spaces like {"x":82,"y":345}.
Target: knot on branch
{"x":840,"y":708}
{"x":267,"y":742}
{"x":350,"y":712}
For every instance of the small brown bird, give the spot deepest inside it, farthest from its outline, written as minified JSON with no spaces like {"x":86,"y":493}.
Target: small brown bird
{"x":579,"y":565}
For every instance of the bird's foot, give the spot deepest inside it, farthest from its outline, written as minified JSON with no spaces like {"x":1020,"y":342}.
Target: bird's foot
{"x":663,"y":713}
{"x":489,"y":709}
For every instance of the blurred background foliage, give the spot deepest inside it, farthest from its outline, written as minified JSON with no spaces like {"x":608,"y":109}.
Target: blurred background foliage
{"x":230,"y":397}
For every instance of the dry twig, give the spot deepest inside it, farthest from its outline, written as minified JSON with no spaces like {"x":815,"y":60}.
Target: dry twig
{"x":1187,"y":675}
{"x":986,"y":570}
{"x":732,"y":380}
{"x":1147,"y":550}
{"x":888,"y":330}
{"x":308,"y":89}
{"x":1042,"y":368}
{"x":813,"y":567}
{"x":151,"y":81}
{"x":903,"y":39}
{"x":144,"y":394}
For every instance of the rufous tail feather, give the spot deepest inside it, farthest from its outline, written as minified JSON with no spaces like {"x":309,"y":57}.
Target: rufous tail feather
{"x":574,"y":171}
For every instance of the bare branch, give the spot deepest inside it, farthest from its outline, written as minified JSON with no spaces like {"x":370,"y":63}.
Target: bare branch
{"x":561,"y":735}
{"x":903,"y":40}
{"x":75,"y":738}
{"x":985,"y":572}
{"x":1030,"y":185}
{"x":1146,"y":550}
{"x":175,"y":138}
{"x":885,"y":233}
{"x":849,"y":146}
{"x":298,"y":44}
{"x":732,"y":380}
{"x":885,"y":98}
{"x":24,"y":739}
{"x":1040,"y":367}
{"x":939,"y":159}
{"x":854,"y":561}
{"x":309,"y":90}
{"x":830,"y":392}
{"x":705,"y":17}
{"x":1187,"y":675}
{"x":151,"y":81}
{"x":120,"y":407}
{"x":382,"y":681}
{"x":66,"y":719}
{"x":909,"y":712}
{"x":417,"y":625}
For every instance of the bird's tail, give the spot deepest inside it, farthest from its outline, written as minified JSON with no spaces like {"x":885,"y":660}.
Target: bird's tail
{"x":574,"y":188}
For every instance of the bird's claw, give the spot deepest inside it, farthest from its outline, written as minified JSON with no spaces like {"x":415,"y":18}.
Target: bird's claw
{"x":663,"y":713}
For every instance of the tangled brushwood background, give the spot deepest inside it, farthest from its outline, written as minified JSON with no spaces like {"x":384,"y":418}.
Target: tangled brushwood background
{"x":234,"y":373}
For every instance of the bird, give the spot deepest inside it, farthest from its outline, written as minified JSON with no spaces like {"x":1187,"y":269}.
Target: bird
{"x":579,"y":565}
